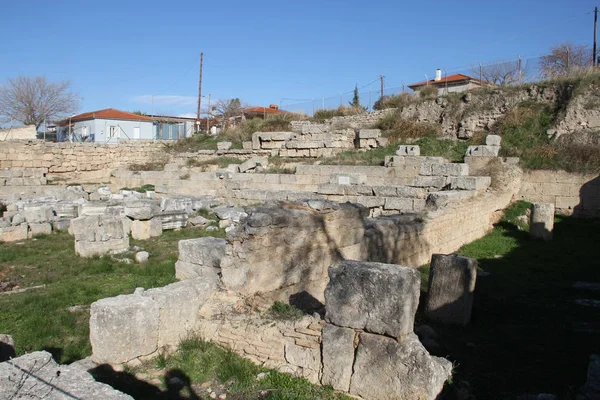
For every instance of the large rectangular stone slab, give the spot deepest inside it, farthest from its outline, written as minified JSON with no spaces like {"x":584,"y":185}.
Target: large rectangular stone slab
{"x":451,"y":289}
{"x":123,"y":328}
{"x":380,"y":298}
{"x":338,"y":356}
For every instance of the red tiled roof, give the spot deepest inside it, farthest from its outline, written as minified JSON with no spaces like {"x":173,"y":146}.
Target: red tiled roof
{"x":449,"y":79}
{"x":109,"y":113}
{"x":264,"y":110}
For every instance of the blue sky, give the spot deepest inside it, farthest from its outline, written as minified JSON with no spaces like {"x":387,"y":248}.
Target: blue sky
{"x":123,"y":54}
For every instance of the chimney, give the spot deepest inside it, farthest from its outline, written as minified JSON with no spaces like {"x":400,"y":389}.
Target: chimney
{"x":273,"y":106}
{"x":438,"y":75}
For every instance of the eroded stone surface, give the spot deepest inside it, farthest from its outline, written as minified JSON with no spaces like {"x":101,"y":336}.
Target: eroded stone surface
{"x":380,"y":298}
{"x":38,"y":376}
{"x":387,"y":370}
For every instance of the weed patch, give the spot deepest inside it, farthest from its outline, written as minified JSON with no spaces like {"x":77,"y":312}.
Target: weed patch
{"x":43,"y":318}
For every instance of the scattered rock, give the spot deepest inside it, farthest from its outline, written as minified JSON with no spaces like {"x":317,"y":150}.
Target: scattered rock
{"x":141,"y":257}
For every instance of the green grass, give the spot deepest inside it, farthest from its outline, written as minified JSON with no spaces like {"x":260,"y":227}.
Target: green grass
{"x":141,"y":189}
{"x":39,"y":319}
{"x":522,"y":337}
{"x":202,"y":362}
{"x":355,"y":157}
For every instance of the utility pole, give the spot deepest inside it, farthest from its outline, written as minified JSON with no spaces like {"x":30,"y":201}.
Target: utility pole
{"x":208,"y":116}
{"x":595,"y":61}
{"x":200,"y":88}
{"x":382,"y":79}
{"x":519,"y":72}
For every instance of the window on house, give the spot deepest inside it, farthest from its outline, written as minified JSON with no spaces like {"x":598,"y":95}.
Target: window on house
{"x":114,"y":132}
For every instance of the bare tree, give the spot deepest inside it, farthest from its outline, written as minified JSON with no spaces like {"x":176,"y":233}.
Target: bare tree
{"x":229,"y":108}
{"x":506,"y":73}
{"x":33,"y":100}
{"x":565,"y":58}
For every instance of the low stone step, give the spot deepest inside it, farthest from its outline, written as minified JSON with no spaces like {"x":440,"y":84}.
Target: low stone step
{"x":470,"y":182}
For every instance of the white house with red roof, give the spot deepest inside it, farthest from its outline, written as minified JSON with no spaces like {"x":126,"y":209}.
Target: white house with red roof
{"x":449,"y":83}
{"x":106,"y":126}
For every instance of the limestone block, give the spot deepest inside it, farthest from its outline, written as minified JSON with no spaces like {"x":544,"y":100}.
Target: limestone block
{"x":232,"y":213}
{"x":309,"y":359}
{"x":450,"y":169}
{"x":143,"y":230}
{"x":446,"y":197}
{"x":14,"y":233}
{"x":247,"y":145}
{"x":123,"y":328}
{"x":482,"y":151}
{"x":142,"y":209}
{"x":178,"y":305}
{"x":61,"y":224}
{"x":65,"y":210}
{"x":369,"y":133}
{"x":45,"y":379}
{"x":541,"y":221}
{"x":253,"y":163}
{"x":187,"y":270}
{"x":43,"y":228}
{"x":397,"y":203}
{"x":451,"y":289}
{"x":90,"y":249}
{"x":92,"y":209}
{"x":493,"y":140}
{"x":206,"y":251}
{"x":224,"y":145}
{"x":387,"y":370}
{"x":429,"y":181}
{"x":338,"y":357}
{"x":177,"y":204}
{"x":37,"y":214}
{"x":173,"y":219}
{"x":348,"y":179}
{"x":470,"y":182}
{"x":378,"y":297}
{"x":141,"y":257}
{"x":408,"y":150}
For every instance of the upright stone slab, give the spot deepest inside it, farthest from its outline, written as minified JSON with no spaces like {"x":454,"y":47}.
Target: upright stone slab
{"x":380,"y":298}
{"x":338,"y":356}
{"x":451,"y":289}
{"x":143,"y":230}
{"x":541,"y":221}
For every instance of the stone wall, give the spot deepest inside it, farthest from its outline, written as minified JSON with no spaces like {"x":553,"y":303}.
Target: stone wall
{"x":571,"y":193}
{"x":27,"y":132}
{"x":86,"y":162}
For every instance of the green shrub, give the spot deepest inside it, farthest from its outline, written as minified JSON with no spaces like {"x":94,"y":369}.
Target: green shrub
{"x":285,"y":311}
{"x":399,"y":130}
{"x":394,"y":101}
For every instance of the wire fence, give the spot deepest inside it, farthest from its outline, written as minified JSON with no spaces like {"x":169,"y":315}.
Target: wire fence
{"x":514,"y":71}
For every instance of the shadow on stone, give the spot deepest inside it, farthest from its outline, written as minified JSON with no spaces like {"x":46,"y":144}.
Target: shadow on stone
{"x":176,"y":381}
{"x":304,"y":301}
